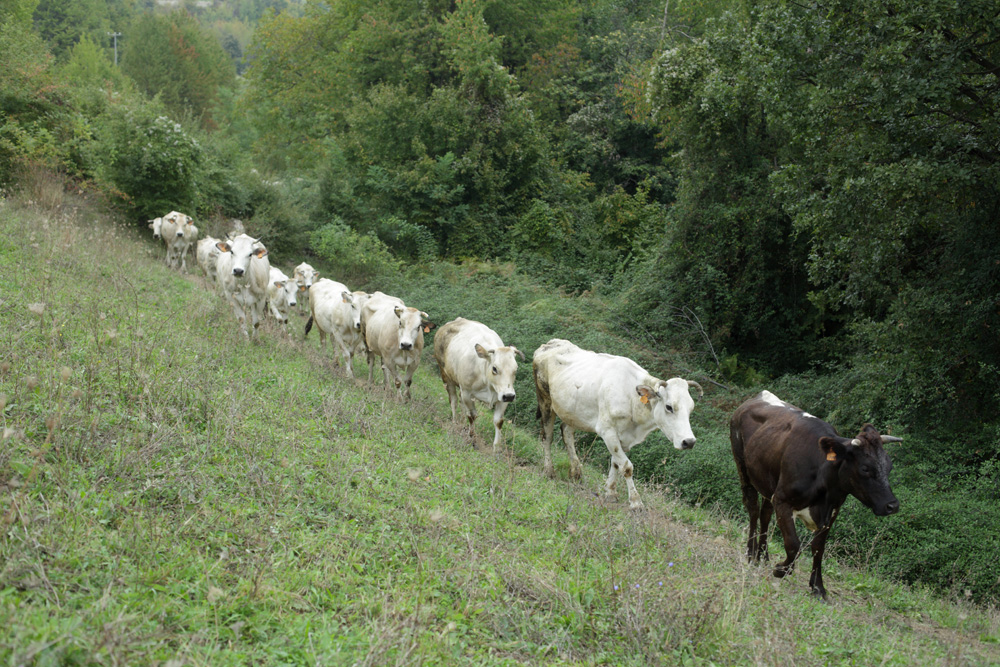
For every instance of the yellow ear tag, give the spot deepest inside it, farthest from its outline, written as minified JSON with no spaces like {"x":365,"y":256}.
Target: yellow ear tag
{"x":831,"y":455}
{"x":427,"y":329}
{"x":644,"y":399}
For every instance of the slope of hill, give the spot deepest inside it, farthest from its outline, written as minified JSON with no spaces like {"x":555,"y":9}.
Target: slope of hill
{"x":173,"y":494}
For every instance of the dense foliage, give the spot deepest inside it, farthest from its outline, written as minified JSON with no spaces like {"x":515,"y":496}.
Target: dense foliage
{"x":797,"y":196}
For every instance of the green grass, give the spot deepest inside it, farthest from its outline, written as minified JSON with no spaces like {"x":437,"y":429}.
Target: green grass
{"x":173,"y":494}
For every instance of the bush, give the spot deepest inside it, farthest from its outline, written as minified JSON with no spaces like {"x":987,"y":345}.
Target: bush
{"x":151,"y":159}
{"x":354,"y":258}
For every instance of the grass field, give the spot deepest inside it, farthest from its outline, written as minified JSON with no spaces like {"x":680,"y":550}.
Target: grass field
{"x":173,"y":494}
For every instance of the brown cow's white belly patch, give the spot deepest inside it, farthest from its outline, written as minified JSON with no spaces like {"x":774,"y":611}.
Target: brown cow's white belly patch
{"x":805,"y":517}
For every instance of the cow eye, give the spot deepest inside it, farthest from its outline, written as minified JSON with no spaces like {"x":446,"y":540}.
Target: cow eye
{"x":495,"y":371}
{"x":669,"y":407}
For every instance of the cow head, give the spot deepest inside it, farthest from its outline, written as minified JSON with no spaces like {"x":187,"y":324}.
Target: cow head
{"x":501,"y":367}
{"x":863,"y":467}
{"x":412,"y":324}
{"x":305,"y":276}
{"x":243,"y":248}
{"x":180,"y":220}
{"x":156,"y":224}
{"x":671,"y":405}
{"x":290,"y":288}
{"x":355,"y":302}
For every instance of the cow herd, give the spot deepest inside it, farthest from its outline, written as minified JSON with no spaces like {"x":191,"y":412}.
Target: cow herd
{"x":790,"y":463}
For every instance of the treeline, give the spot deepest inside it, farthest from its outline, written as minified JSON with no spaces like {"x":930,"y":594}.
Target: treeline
{"x":795,"y":195}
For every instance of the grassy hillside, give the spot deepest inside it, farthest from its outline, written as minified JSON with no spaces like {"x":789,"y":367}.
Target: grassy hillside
{"x":173,"y":494}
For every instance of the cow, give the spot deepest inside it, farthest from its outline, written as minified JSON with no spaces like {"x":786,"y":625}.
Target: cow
{"x":243,"y":272}
{"x":804,"y":470}
{"x":335,"y":310}
{"x":207,"y":255}
{"x":167,"y":230}
{"x":613,"y":397}
{"x":156,"y":224}
{"x":395,"y":333}
{"x":305,"y":276}
{"x":183,"y":239}
{"x":281,"y":295}
{"x":475,"y":363}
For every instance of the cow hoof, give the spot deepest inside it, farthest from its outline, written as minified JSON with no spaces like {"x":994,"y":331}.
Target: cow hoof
{"x":780,"y":572}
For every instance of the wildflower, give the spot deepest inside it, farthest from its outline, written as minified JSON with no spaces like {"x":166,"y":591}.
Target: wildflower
{"x":670,"y":564}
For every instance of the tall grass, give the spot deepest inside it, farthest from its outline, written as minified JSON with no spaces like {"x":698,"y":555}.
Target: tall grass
{"x":173,"y":494}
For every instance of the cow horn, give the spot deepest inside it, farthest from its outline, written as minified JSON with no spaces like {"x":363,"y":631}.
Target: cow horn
{"x":519,"y":353}
{"x":890,"y":438}
{"x":856,"y":442}
{"x":692,"y":383}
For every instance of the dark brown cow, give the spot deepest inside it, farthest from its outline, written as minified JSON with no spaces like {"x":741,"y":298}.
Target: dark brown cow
{"x":804,"y":471}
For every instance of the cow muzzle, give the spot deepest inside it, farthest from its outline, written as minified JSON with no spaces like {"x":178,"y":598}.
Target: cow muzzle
{"x":406,"y":346}
{"x":507,"y":398}
{"x":237,"y":271}
{"x":687,"y":443}
{"x":891,"y":507}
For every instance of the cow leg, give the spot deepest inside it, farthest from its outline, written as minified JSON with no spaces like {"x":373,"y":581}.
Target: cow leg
{"x":620,"y":464}
{"x":498,"y":411}
{"x":452,"y":399}
{"x":575,"y":470}
{"x":818,"y":548}
{"x":766,"y":511}
{"x":786,"y":522}
{"x":548,"y":419}
{"x":408,"y":379}
{"x":470,"y":412}
{"x":751,"y":503}
{"x":339,"y":344}
{"x":371,"y":366}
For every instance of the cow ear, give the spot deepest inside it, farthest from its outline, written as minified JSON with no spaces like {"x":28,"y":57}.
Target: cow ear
{"x":427,"y":326}
{"x":346,"y":296}
{"x":483,"y":352}
{"x":223,"y":246}
{"x":260,"y":253}
{"x":280,"y":284}
{"x":302,"y":288}
{"x":399,"y":312}
{"x":645,"y":393}
{"x":834,"y":449}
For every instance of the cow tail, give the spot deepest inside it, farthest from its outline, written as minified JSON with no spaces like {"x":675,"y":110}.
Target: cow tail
{"x":309,"y":325}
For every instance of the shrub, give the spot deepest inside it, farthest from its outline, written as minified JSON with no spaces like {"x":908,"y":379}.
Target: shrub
{"x":354,"y":258}
{"x":151,"y":159}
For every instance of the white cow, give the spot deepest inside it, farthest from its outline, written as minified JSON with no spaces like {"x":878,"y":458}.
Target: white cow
{"x":335,"y":310}
{"x":395,"y":333}
{"x":305,"y":276}
{"x":613,"y":397}
{"x":475,"y":363}
{"x":243,"y":272}
{"x":180,"y":234}
{"x":281,"y":295}
{"x":167,"y":230}
{"x":208,"y":256}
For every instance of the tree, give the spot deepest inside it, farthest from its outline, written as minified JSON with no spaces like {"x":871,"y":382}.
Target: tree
{"x":62,"y":23}
{"x":174,"y":57}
